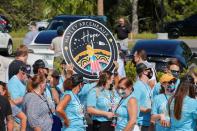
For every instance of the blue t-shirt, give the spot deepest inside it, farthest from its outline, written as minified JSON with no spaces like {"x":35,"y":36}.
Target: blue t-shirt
{"x":157,"y":88}
{"x":74,"y":112}
{"x":160,"y":106}
{"x":16,"y":89}
{"x":122,"y":113}
{"x":102,"y":99}
{"x":83,"y":94}
{"x":143,"y":94}
{"x":188,"y":117}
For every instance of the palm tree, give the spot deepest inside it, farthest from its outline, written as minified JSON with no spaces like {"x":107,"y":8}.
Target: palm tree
{"x":100,"y":7}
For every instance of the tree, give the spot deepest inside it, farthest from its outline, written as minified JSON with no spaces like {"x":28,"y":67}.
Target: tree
{"x":100,"y":7}
{"x":135,"y":27}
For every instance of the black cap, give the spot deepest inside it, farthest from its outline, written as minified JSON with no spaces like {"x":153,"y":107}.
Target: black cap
{"x":25,"y":68}
{"x":76,"y":79}
{"x":140,"y":68}
{"x":55,"y":74}
{"x":39,"y":64}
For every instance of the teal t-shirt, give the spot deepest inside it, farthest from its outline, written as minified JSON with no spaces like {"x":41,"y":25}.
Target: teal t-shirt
{"x":102,"y":99}
{"x":143,"y":94}
{"x":160,"y":106}
{"x":188,"y":117}
{"x":122,"y":113}
{"x":16,"y":89}
{"x":83,"y":94}
{"x":74,"y":112}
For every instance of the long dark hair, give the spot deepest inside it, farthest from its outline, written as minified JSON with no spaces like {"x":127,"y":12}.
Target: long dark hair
{"x":185,"y":88}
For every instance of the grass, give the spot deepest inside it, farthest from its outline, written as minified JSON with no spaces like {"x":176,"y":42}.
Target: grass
{"x":145,"y":35}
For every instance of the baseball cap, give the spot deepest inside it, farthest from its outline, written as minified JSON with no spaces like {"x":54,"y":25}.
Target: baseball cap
{"x":39,"y":64}
{"x":25,"y":68}
{"x":141,"y":67}
{"x":166,"y":78}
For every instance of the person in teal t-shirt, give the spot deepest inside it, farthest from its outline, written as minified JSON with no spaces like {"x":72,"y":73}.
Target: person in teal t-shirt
{"x":160,"y":115}
{"x":127,"y":109}
{"x":172,"y":68}
{"x":183,"y":107}
{"x":101,"y":103}
{"x":143,"y":94}
{"x":70,"y":108}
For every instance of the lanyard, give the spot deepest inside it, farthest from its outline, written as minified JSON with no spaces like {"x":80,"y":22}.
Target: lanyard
{"x":121,"y":102}
{"x":78,"y":101}
{"x":148,"y":90}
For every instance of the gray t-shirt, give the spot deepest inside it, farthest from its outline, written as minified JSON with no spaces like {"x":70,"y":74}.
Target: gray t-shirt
{"x":29,"y":37}
{"x":56,"y":45}
{"x":37,"y":111}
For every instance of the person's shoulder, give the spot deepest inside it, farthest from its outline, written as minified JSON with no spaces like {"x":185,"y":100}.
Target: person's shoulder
{"x":159,"y":97}
{"x":137,"y":84}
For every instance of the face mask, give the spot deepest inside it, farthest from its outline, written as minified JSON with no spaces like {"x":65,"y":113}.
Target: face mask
{"x":175,"y":73}
{"x":122,"y":93}
{"x":150,"y":75}
{"x":171,"y":88}
{"x":110,"y":86}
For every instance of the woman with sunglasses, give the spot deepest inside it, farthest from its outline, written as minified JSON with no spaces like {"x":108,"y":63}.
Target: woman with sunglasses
{"x":160,"y":117}
{"x":127,"y":109}
{"x":173,"y":68}
{"x":70,"y":109}
{"x":16,"y":112}
{"x":101,"y":103}
{"x":183,"y":107}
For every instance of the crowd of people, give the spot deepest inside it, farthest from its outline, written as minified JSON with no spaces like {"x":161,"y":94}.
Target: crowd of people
{"x":52,"y":100}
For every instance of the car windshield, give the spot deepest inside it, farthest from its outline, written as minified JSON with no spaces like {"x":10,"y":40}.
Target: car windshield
{"x":55,"y":24}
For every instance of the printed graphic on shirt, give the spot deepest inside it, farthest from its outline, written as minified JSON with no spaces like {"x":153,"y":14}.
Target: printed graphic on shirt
{"x":90,"y":47}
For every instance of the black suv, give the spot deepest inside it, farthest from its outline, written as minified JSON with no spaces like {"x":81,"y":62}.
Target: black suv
{"x":186,"y":27}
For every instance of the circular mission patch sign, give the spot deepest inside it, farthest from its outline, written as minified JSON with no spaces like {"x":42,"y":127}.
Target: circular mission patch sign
{"x":90,"y":47}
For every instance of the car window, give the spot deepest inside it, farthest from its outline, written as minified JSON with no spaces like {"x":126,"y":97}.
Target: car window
{"x":187,"y":53}
{"x":55,"y":24}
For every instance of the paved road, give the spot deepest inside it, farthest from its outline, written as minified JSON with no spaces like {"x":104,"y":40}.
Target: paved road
{"x":192,"y":44}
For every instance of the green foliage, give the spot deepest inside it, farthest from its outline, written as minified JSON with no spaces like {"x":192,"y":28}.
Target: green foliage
{"x":130,"y":70}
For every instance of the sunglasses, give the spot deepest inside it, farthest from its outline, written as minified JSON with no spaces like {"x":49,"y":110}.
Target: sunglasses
{"x":174,"y":71}
{"x":172,"y":82}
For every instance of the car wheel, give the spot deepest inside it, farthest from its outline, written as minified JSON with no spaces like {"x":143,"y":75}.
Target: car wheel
{"x":9,"y":50}
{"x":174,"y":34}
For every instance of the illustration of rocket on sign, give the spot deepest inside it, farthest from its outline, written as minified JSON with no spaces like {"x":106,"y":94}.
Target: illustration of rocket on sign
{"x":94,"y":63}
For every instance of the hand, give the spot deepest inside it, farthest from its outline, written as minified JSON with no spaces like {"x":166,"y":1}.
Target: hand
{"x":109,"y":115}
{"x":116,"y":65}
{"x":66,"y":122}
{"x":163,"y":122}
{"x":69,"y":67}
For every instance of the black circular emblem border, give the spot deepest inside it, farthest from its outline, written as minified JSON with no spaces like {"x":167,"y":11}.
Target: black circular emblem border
{"x":84,"y":24}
